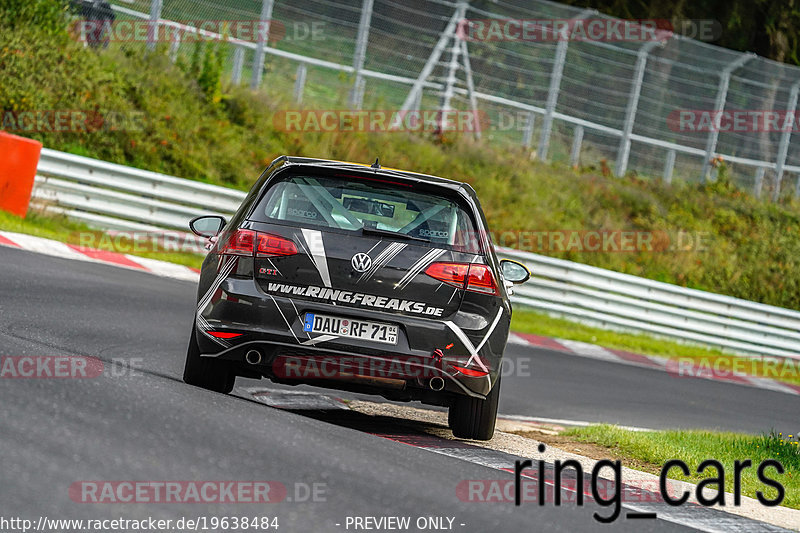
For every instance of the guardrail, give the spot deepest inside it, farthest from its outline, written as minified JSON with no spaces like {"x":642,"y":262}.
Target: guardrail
{"x":116,"y":197}
{"x":625,"y":302}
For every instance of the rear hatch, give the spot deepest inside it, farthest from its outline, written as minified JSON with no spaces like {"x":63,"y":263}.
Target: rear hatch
{"x":365,"y":242}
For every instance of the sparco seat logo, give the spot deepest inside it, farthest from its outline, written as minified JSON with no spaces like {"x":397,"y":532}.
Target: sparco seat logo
{"x":361,"y":262}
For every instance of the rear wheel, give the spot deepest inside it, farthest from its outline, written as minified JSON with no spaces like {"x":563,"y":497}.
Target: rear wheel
{"x":473,"y":418}
{"x":206,"y":372}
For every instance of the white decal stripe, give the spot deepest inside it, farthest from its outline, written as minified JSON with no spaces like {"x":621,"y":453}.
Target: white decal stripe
{"x":226,"y":269}
{"x":423,"y":263}
{"x":389,"y":253}
{"x":491,"y":329}
{"x":317,"y":248}
{"x":204,"y":326}
{"x":468,"y":344}
{"x":274,"y":267}
{"x":413,"y":270}
{"x":284,"y":318}
{"x":223,"y":273}
{"x":397,"y":249}
{"x":303,"y":246}
{"x":375,"y":263}
{"x":452,"y":295}
{"x":298,"y":315}
{"x":321,"y":338}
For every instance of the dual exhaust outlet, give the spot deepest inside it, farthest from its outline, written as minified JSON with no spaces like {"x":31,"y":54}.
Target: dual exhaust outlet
{"x":436,"y":384}
{"x":254,"y":357}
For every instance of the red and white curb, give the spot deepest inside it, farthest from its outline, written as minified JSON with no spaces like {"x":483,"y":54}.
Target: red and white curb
{"x":679,"y":368}
{"x":80,"y":253}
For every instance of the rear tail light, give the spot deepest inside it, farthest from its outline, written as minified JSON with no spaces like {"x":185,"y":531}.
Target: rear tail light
{"x":224,"y":334}
{"x":471,"y":372}
{"x":240,"y":243}
{"x":476,"y":278}
{"x":248,"y":242}
{"x":271,"y":245}
{"x":454,"y":274}
{"x":481,"y":280}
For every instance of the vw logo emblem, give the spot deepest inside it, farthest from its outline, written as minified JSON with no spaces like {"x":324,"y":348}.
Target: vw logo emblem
{"x":361,"y":262}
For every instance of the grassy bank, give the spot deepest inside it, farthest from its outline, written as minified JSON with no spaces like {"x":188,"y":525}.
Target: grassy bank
{"x":651,"y":449}
{"x":184,"y":119}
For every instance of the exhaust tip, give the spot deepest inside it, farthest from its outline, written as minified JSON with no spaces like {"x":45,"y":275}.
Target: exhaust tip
{"x":253,"y":357}
{"x":436,"y":384}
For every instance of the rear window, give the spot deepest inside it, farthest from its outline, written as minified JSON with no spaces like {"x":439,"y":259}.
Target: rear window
{"x":353,"y":205}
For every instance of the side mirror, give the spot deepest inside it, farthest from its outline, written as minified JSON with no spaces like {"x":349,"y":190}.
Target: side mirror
{"x":207,"y":225}
{"x":514,"y":271}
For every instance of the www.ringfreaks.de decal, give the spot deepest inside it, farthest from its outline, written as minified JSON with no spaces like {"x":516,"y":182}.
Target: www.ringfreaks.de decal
{"x":349,"y":297}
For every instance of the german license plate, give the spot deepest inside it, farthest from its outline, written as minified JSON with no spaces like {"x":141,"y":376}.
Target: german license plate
{"x":347,"y":327}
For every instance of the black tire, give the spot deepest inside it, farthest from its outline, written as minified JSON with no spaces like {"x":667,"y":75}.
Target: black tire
{"x":472,"y":418}
{"x":205,"y":372}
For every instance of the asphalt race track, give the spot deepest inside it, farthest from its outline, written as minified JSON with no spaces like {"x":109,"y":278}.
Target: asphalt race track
{"x":150,"y":426}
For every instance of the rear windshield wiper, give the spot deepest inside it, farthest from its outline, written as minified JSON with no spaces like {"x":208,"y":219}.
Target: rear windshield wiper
{"x":386,"y":233}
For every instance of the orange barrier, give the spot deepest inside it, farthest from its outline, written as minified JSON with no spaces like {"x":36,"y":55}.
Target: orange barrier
{"x":19,"y":158}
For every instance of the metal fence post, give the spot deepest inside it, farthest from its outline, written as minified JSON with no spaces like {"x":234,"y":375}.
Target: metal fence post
{"x":527,"y":133}
{"x":759,"y":182}
{"x":300,"y":83}
{"x":719,"y":106}
{"x":263,"y":37}
{"x":417,"y":103}
{"x":84,"y":34}
{"x":450,"y":81}
{"x":414,"y":95}
{"x":669,"y":165}
{"x":624,"y":150}
{"x":555,"y":86}
{"x":175,"y":45}
{"x":238,"y":65}
{"x":783,"y":147}
{"x":575,"y":153}
{"x":357,"y":92}
{"x":152,"y":27}
{"x":473,"y":99}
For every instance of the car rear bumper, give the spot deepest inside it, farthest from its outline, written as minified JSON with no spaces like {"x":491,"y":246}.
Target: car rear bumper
{"x":427,"y":349}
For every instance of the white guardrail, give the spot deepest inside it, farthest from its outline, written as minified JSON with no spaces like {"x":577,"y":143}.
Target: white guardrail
{"x":116,"y":197}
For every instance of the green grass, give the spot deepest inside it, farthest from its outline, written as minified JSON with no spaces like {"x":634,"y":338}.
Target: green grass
{"x":62,"y":229}
{"x":693,"y":447}
{"x":526,"y":321}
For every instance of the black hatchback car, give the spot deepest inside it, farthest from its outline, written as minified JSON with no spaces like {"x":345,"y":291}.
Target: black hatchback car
{"x":358,"y":278}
